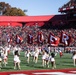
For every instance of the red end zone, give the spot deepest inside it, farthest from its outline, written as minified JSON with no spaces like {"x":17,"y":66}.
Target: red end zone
{"x":42,"y":72}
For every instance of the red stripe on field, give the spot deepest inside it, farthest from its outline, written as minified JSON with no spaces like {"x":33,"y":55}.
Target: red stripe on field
{"x":31,"y":72}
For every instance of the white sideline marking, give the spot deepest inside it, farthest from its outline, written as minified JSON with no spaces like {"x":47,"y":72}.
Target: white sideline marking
{"x":73,"y":71}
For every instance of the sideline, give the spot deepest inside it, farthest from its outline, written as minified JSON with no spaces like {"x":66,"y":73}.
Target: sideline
{"x":42,"y":72}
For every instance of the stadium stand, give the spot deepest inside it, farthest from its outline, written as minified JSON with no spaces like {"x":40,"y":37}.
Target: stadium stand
{"x":21,"y":25}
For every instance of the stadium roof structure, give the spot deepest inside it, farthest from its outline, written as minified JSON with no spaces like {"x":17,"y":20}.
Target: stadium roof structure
{"x":19,"y":20}
{"x":28,"y":20}
{"x":25,"y":18}
{"x":69,"y":6}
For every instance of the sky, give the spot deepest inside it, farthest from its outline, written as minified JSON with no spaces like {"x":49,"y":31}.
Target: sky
{"x":37,"y":7}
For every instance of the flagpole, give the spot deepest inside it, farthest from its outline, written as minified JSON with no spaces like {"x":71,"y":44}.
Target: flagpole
{"x":64,"y":47}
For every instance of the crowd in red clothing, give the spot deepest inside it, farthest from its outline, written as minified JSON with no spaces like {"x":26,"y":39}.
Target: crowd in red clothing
{"x":24,"y":31}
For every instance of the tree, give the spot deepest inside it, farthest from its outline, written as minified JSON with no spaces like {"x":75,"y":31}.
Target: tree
{"x":7,"y":10}
{"x":14,"y":12}
{"x":3,"y":7}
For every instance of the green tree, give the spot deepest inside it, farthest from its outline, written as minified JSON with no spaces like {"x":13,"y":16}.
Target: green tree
{"x":7,"y":10}
{"x":3,"y":7}
{"x":14,"y":12}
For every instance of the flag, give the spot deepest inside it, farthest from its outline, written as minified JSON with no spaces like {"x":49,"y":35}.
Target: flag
{"x":19,"y":39}
{"x":53,"y":40}
{"x":30,"y":38}
{"x":9,"y":38}
{"x":40,"y":38}
{"x":65,"y":39}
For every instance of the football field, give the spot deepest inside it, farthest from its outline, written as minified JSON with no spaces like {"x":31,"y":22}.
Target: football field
{"x":65,"y":62}
{"x":61,"y":63}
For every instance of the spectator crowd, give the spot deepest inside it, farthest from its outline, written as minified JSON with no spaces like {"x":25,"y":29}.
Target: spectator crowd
{"x":24,"y":31}
{"x":8,"y":37}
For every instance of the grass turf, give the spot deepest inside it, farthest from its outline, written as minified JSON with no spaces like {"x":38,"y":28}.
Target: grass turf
{"x":64,"y":62}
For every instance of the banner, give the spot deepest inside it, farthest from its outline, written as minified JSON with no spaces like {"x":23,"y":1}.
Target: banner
{"x":53,"y":40}
{"x":30,"y":38}
{"x":40,"y":38}
{"x":19,"y":39}
{"x":65,"y":39}
{"x":9,"y":38}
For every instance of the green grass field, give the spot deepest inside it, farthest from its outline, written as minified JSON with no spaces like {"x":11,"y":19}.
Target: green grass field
{"x":61,"y":63}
